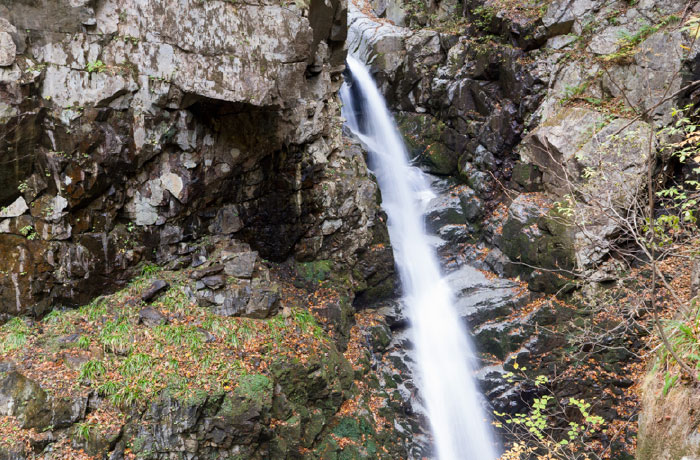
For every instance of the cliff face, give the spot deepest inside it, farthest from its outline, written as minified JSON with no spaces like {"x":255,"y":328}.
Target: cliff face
{"x":190,"y":156}
{"x":131,"y":129}
{"x":550,"y":117}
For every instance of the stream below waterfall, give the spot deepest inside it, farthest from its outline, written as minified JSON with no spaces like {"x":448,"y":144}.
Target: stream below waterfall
{"x":442,"y":350}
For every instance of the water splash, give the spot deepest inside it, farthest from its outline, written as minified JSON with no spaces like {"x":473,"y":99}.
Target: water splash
{"x":442,"y":348}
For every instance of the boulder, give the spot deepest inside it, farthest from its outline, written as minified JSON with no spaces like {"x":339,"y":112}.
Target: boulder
{"x":23,"y":398}
{"x":652,"y":75}
{"x":581,"y":151}
{"x":240,"y":265}
{"x":251,"y":300}
{"x":16,"y":209}
{"x":561,"y":14}
{"x":8,"y":49}
{"x":152,"y":317}
{"x":156,"y":288}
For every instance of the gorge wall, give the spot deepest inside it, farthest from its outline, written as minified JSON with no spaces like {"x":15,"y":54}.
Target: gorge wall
{"x":190,"y":156}
{"x":131,"y":129}
{"x":545,"y":121}
{"x":179,"y":171}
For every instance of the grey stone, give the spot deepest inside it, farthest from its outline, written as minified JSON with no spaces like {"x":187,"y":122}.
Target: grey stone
{"x":16,"y":209}
{"x":207,"y":271}
{"x":561,"y":14}
{"x":561,"y":41}
{"x":240,"y":265}
{"x":607,"y":41}
{"x":151,"y":317}
{"x":7,"y":50}
{"x":249,"y":301}
{"x":214,"y":281}
{"x":157,"y":287}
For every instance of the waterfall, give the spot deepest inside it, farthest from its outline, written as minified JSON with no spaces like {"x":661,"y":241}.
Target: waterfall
{"x":443,"y":351}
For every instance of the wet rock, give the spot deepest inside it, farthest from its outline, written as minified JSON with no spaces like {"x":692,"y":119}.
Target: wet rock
{"x":151,"y":317}
{"x":472,"y":205}
{"x":380,"y":337}
{"x":445,"y":210}
{"x":431,"y":142}
{"x":479,"y":181}
{"x":157,"y":287}
{"x":380,"y":44}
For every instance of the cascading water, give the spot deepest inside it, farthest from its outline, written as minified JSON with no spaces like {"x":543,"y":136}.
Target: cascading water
{"x":443,"y":351}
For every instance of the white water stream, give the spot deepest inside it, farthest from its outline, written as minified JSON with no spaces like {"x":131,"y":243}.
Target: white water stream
{"x":443,"y":351}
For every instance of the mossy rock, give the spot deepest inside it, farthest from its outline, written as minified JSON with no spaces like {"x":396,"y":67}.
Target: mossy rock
{"x":543,"y":242}
{"x":24,"y":399}
{"x":427,"y":139}
{"x":528,"y":176}
{"x":323,"y":379}
{"x":316,"y":271}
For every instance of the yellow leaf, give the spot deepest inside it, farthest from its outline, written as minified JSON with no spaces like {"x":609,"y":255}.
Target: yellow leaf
{"x":515,"y":366}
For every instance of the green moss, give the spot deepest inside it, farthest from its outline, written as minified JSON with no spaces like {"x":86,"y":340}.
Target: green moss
{"x":425,"y":139}
{"x":256,"y":386}
{"x":348,"y":428}
{"x":315,"y":271}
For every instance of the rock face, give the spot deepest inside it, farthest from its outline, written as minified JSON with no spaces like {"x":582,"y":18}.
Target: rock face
{"x":602,"y":163}
{"x":465,"y":94}
{"x":134,"y":128}
{"x":551,"y":115}
{"x":460,"y":102}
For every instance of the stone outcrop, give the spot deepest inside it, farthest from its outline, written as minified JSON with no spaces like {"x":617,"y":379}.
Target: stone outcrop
{"x":461,"y":102}
{"x":601,"y":164}
{"x":132,"y":129}
{"x":552,"y":115}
